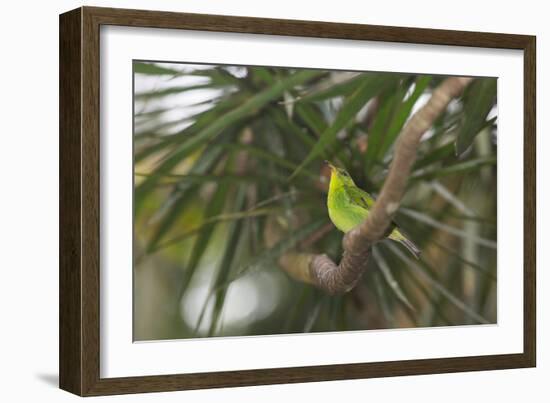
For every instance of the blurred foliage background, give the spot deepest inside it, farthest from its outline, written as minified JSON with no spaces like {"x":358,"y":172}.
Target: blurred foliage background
{"x":229,"y":179}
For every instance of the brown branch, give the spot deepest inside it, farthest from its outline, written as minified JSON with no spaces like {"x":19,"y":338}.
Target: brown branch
{"x":320,"y":270}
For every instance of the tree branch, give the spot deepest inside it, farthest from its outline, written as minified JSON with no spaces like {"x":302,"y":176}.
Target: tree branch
{"x":320,"y":270}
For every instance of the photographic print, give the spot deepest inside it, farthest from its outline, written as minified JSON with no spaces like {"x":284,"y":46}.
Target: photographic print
{"x":239,"y":209}
{"x":251,"y":183}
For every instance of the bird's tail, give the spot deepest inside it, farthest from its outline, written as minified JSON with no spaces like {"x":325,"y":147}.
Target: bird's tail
{"x":407,"y":243}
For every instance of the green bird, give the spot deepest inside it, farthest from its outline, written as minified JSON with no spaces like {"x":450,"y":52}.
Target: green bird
{"x":348,"y":206}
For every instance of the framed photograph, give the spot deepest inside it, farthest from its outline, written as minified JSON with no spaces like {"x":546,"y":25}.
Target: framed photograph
{"x":249,"y":201}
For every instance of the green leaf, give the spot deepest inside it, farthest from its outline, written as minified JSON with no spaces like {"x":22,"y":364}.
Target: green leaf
{"x":262,"y":74}
{"x":460,"y":168}
{"x":272,"y":254}
{"x":171,"y":90}
{"x":435,"y":155}
{"x":404,"y":111}
{"x":227,"y":262}
{"x":204,"y":164}
{"x":178,"y":179}
{"x":452,"y":199}
{"x":478,"y":102}
{"x":383,"y":300}
{"x":214,"y":208}
{"x":153,"y":69}
{"x":219,"y":76}
{"x":151,"y":113}
{"x":422,"y":272}
{"x":201,"y":121}
{"x":369,"y":87}
{"x":432,"y":222}
{"x":390,"y":101}
{"x":311,"y":117}
{"x":428,"y":293}
{"x":251,"y":106}
{"x":314,"y":314}
{"x":264,"y":259}
{"x":268,"y":156}
{"x":288,"y":127}
{"x":214,"y":220}
{"x":327,"y":89}
{"x":156,"y":131}
{"x":390,"y":279}
{"x":180,"y":202}
{"x":297,"y":307}
{"x":459,"y":257}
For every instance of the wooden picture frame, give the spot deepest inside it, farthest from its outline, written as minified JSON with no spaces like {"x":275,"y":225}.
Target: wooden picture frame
{"x":80,"y":199}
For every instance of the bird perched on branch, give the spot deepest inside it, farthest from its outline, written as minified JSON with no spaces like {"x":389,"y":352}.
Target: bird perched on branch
{"x":348,"y":206}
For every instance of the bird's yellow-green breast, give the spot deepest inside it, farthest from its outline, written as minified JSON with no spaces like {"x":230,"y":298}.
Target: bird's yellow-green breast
{"x":343,"y":211}
{"x":348,"y":206}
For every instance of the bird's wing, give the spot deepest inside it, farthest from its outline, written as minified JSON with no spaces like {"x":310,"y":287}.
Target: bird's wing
{"x":364,"y":200}
{"x":359,"y":197}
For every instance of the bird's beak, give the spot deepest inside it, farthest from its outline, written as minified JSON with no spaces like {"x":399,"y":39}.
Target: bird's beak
{"x":330,"y":165}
